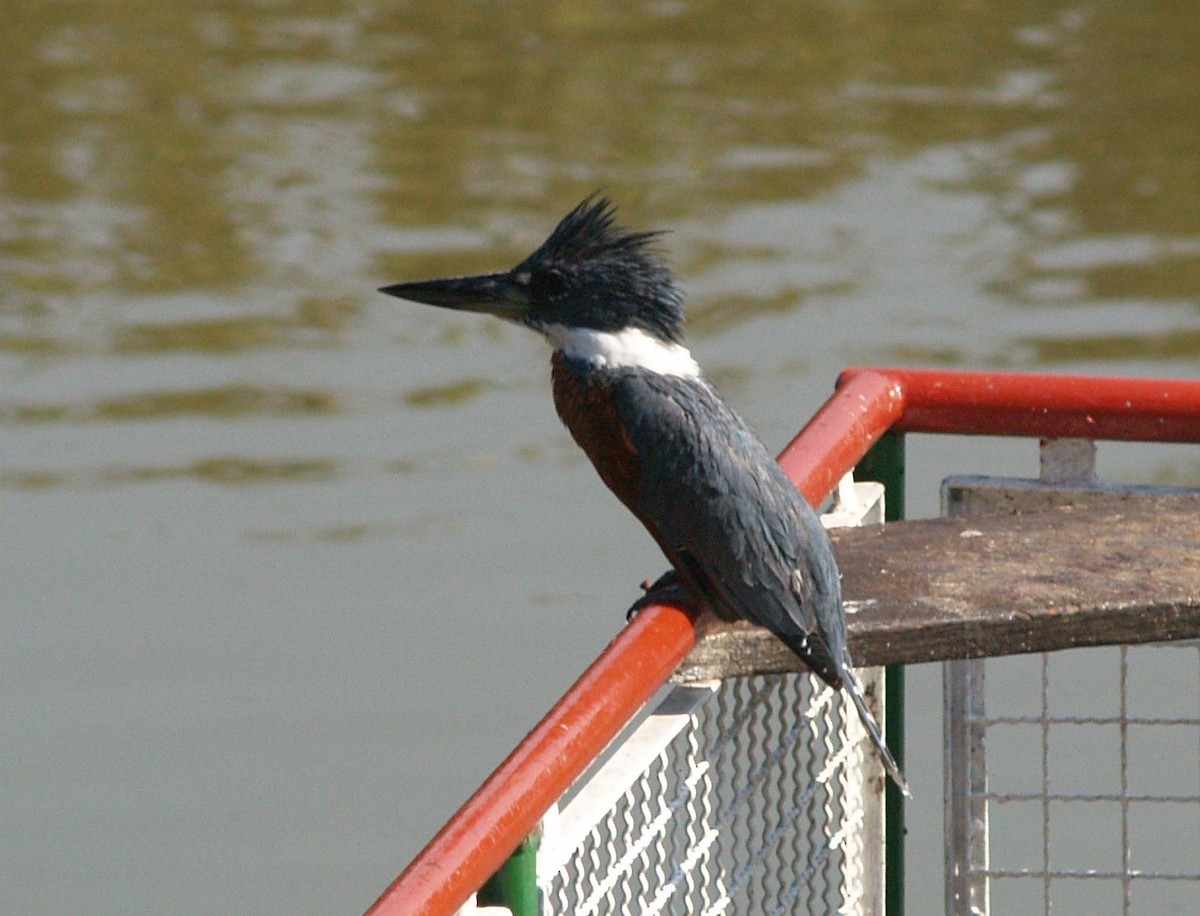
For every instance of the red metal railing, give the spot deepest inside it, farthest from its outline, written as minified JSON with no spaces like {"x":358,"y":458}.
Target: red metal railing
{"x":866,"y":404}
{"x":1062,"y":406}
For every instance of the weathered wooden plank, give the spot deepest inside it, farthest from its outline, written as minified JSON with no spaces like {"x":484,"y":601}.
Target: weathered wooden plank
{"x":1125,"y":570}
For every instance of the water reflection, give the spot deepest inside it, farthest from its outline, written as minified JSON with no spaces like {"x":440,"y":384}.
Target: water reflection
{"x":228,"y":471}
{"x":299,"y":149}
{"x":454,"y":393}
{"x":229,"y":402}
{"x":1163,"y":348}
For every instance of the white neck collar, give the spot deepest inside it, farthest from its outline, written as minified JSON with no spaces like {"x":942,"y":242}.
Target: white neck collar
{"x":631,"y":348}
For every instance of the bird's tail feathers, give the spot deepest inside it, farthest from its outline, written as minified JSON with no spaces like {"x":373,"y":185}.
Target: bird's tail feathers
{"x":872,"y":727}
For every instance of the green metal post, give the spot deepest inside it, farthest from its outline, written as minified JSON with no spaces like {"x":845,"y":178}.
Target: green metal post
{"x":885,"y":463}
{"x":515,"y":884}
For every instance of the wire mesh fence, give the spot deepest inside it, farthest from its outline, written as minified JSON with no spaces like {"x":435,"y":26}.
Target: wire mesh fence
{"x":1092,"y":794}
{"x":756,"y":805}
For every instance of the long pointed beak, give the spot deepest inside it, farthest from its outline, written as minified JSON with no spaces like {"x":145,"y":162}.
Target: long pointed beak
{"x":494,"y":294}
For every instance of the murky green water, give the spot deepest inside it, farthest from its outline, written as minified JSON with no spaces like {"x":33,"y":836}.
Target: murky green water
{"x":289,"y":565}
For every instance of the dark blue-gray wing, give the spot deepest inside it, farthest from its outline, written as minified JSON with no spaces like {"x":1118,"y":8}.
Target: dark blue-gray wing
{"x":732,"y":523}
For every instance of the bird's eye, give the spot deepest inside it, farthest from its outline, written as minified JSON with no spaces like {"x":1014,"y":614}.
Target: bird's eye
{"x":547,"y":283}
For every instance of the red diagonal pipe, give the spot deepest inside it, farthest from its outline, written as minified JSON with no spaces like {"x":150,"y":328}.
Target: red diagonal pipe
{"x":842,"y":431}
{"x":506,"y":808}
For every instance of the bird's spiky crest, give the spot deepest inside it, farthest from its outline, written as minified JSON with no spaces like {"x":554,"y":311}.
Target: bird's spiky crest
{"x":589,"y":232}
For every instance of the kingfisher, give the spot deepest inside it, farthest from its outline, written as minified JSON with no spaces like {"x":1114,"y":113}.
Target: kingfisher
{"x":738,"y":534}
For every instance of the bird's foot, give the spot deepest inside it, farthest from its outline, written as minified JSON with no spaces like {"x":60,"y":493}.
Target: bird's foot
{"x":666,"y":589}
